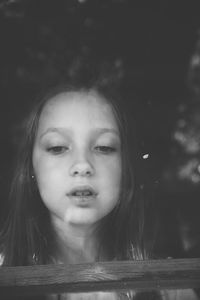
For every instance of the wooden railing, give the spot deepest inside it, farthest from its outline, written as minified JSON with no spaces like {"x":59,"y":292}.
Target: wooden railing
{"x":102,"y":276}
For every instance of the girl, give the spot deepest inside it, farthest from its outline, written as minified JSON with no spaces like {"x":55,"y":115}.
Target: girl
{"x":75,"y":196}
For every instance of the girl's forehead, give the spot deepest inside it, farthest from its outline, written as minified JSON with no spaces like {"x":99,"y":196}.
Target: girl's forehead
{"x":77,"y":97}
{"x":69,"y":107}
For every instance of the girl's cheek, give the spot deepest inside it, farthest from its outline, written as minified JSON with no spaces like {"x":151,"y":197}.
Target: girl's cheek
{"x":113,"y":167}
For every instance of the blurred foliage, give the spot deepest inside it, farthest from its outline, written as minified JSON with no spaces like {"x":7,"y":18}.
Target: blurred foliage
{"x":186,"y":135}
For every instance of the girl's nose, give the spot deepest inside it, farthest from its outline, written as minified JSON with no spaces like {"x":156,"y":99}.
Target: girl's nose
{"x":82,"y":168}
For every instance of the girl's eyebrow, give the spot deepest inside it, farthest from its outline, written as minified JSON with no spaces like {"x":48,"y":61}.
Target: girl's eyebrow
{"x":105,"y":130}
{"x":63,"y":130}
{"x":59,"y":130}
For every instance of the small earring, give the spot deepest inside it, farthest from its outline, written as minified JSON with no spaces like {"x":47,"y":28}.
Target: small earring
{"x":32,"y":176}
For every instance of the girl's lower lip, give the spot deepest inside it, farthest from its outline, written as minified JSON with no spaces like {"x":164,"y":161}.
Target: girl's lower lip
{"x":83,"y":201}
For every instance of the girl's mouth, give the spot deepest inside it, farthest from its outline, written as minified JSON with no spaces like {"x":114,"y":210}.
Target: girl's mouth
{"x":82,"y":195}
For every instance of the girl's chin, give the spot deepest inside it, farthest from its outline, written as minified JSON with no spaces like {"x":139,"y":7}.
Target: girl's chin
{"x":84,"y":218}
{"x":82,"y":222}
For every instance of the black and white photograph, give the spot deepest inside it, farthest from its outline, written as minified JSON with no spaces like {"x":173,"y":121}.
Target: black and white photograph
{"x":99,"y":150}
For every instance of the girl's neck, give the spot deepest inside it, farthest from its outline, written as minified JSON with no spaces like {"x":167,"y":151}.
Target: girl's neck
{"x":75,"y":244}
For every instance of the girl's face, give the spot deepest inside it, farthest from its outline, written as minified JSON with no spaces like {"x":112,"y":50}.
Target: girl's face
{"x":77,"y":157}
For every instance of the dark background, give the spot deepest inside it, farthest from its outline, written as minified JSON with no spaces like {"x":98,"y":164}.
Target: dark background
{"x":153,"y":50}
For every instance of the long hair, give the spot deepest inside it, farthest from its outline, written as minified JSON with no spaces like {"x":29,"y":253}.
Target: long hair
{"x":28,"y":236}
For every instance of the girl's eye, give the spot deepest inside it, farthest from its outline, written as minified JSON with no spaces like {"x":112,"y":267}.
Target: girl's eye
{"x":57,"y":149}
{"x":105,"y":149}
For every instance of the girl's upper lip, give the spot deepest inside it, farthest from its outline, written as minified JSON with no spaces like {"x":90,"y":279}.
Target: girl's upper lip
{"x":82,"y":188}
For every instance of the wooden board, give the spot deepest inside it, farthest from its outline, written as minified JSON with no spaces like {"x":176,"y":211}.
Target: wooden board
{"x":102,"y":276}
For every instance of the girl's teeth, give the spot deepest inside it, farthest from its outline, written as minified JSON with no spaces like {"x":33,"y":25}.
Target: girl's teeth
{"x":82,"y":193}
